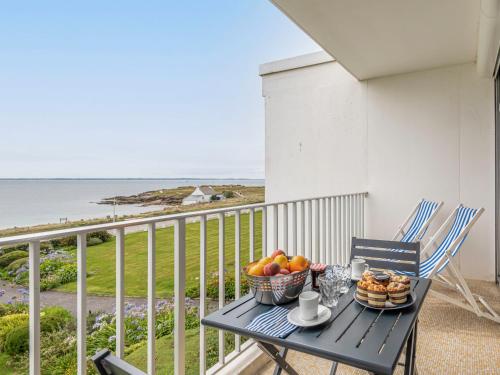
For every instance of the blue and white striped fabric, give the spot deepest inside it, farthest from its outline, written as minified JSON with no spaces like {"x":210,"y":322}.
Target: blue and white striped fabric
{"x":463,"y":216}
{"x":273,"y":323}
{"x":424,"y":212}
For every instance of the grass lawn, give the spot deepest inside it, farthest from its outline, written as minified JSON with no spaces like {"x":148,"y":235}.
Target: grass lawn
{"x":101,"y":258}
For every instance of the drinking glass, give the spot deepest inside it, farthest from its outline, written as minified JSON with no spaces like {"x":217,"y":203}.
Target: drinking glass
{"x":346,"y":278}
{"x":329,"y":287}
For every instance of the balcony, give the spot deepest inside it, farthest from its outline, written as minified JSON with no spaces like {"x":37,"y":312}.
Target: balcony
{"x":319,"y":228}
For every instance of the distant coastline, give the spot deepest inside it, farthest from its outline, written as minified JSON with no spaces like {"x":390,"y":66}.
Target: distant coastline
{"x":35,"y":202}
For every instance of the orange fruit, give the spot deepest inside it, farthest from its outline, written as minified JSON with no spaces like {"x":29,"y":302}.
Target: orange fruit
{"x":265,"y":261}
{"x":256,"y":270}
{"x":297,"y":263}
{"x":282,"y":260}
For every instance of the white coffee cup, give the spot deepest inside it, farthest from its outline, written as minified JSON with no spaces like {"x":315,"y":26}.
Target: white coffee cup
{"x":358,"y":266}
{"x":308,"y":305}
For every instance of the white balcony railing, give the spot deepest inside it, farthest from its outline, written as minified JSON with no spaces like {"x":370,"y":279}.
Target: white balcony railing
{"x":319,"y":228}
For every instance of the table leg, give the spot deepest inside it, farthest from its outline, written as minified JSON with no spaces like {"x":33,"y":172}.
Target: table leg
{"x":278,"y":357}
{"x":333,"y":370}
{"x":411,"y":349}
{"x":277,"y":369}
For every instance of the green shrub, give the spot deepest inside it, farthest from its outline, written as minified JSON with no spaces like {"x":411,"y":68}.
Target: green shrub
{"x":67,"y":273}
{"x":94,"y":241}
{"x":13,"y":308}
{"x":6,"y":250}
{"x":8,"y":258}
{"x":17,"y":340}
{"x":15,"y":265}
{"x":103,"y":235}
{"x":228,"y":194}
{"x":70,"y":241}
{"x":58,"y":313}
{"x":8,"y":323}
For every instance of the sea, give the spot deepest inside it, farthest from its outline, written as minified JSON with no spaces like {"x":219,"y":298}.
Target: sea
{"x":26,"y":202}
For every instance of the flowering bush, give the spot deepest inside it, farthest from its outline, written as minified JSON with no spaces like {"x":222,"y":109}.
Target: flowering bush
{"x":57,"y":267}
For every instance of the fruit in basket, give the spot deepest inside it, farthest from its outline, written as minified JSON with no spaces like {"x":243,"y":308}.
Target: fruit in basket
{"x":298,"y":263}
{"x":277,"y":252}
{"x":265,"y":261}
{"x":284,"y":271}
{"x":271,"y":269}
{"x":256,"y":270}
{"x":282,"y":260}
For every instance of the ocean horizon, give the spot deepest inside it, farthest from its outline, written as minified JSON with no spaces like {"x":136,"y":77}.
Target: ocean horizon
{"x":33,"y":201}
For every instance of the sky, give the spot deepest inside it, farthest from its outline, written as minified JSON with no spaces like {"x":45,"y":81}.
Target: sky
{"x":137,"y":89}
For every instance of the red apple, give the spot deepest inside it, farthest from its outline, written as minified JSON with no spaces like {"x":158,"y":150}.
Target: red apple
{"x":276,"y":253}
{"x":271,"y":269}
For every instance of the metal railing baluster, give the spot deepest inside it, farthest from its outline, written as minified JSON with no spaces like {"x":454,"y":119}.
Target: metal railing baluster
{"x":120,"y":292}
{"x":203,"y":291}
{"x":34,"y":307}
{"x":221,"y":284}
{"x":179,"y":295}
{"x":251,"y":223}
{"x":237,"y":261}
{"x":81,"y":304}
{"x":152,"y":298}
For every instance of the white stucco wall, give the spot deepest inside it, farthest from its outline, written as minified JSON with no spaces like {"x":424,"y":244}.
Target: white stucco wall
{"x":425,"y":134}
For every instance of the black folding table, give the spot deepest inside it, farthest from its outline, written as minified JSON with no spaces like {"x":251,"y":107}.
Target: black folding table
{"x":357,"y":336}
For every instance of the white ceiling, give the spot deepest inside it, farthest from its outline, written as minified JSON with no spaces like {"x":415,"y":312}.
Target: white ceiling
{"x":373,"y":38}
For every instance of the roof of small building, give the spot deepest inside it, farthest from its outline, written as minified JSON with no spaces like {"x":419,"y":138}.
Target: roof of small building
{"x":207,"y":190}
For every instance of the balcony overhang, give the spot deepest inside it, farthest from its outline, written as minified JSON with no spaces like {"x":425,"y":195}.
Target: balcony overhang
{"x":384,"y":37}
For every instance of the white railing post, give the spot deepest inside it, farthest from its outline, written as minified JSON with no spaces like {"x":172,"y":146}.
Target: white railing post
{"x":363,"y":215}
{"x":221,"y":284}
{"x":316,"y":228}
{"x":237,"y":261}
{"x":120,"y":292}
{"x":275,"y":226}
{"x":203,"y":291}
{"x":323,"y":228}
{"x":302,"y":250}
{"x":264,"y":231}
{"x":34,"y":307}
{"x":152,"y":298}
{"x":81,"y":304}
{"x":284,"y":223}
{"x":179,"y":295}
{"x":328,"y":226}
{"x":251,"y":234}
{"x":309,"y":230}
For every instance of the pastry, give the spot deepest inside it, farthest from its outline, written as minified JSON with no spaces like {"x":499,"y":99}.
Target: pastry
{"x":362,"y":290}
{"x":398,"y":292}
{"x":377,"y":295}
{"x":402,"y":279}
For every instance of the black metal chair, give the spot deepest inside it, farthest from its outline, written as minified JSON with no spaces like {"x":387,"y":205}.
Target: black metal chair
{"x":400,"y":257}
{"x":108,"y":364}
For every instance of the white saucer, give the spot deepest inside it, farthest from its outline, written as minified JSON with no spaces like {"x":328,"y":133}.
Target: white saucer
{"x":356,"y":278}
{"x":324,"y":314}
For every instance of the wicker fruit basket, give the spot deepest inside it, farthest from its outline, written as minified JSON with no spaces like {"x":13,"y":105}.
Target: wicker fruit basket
{"x":276,"y":290}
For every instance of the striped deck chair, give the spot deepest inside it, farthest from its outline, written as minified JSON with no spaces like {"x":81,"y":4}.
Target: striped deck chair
{"x":442,"y":259}
{"x":423,"y":214}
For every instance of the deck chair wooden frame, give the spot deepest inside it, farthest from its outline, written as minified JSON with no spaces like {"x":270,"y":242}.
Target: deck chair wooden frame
{"x":418,"y":237}
{"x":454,"y":279}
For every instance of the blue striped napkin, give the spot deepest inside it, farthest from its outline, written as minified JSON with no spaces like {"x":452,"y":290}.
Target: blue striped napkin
{"x":273,"y":323}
